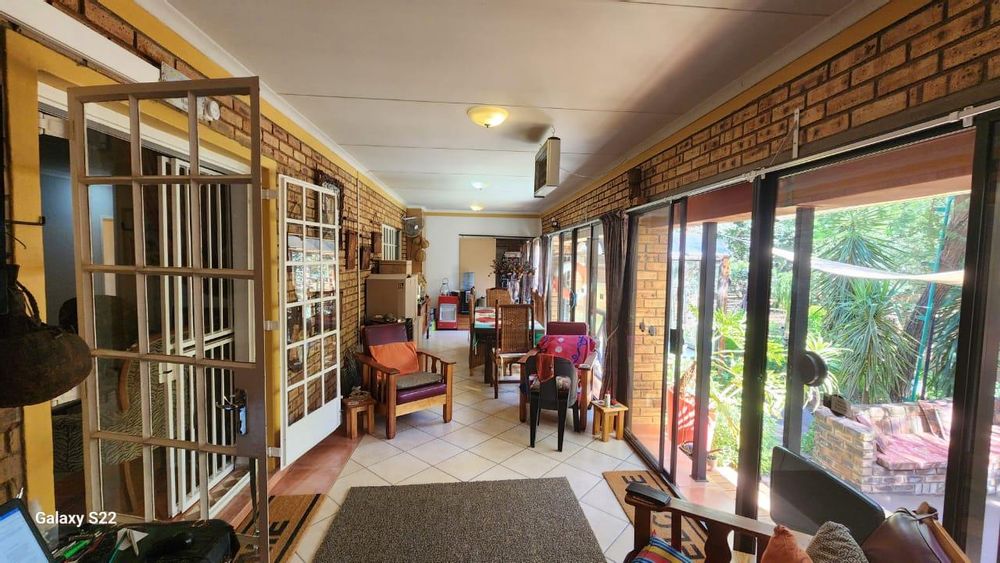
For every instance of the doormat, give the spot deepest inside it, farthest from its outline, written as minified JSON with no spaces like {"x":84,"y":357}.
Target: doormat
{"x":692,"y":535}
{"x":289,"y":516}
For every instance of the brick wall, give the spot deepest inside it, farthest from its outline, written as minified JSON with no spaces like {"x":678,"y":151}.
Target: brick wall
{"x":294,"y":157}
{"x":11,"y":454}
{"x":650,"y":297}
{"x":942,"y":53}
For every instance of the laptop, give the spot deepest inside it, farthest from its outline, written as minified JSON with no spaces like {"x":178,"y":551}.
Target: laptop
{"x":20,"y":540}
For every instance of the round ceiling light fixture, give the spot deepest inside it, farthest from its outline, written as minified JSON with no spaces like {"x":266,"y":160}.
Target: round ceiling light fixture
{"x":479,"y":185}
{"x":487,"y":116}
{"x":476,"y":207}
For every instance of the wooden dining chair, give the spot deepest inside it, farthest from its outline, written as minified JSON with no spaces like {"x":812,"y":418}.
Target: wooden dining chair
{"x":497,"y":296}
{"x":513,"y":338}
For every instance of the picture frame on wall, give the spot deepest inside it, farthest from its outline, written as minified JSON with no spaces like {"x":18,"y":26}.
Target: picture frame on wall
{"x":366,"y":258}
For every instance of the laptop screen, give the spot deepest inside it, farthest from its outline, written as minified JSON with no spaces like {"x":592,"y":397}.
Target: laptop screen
{"x":18,"y":539}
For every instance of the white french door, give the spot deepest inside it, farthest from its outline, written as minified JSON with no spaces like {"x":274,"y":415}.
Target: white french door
{"x":310,"y":293}
{"x":173,"y":313}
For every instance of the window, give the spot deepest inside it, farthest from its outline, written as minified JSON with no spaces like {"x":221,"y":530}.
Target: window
{"x":390,"y":243}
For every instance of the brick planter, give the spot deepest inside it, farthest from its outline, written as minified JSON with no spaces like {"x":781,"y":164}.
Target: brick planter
{"x":862,"y":454}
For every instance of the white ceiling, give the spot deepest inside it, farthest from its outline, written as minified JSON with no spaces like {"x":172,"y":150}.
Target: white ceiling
{"x":390,"y":80}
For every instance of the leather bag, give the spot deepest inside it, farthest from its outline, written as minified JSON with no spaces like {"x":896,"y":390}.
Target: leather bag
{"x":905,"y":536}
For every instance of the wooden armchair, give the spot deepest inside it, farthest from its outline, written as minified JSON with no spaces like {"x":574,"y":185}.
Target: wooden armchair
{"x":398,"y":394}
{"x":718,"y":526}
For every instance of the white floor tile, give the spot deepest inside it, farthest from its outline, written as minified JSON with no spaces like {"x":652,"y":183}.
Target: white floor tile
{"x":362,"y":478}
{"x":530,"y":463}
{"x":429,"y":475}
{"x":606,"y":527}
{"x":410,"y":438}
{"x":496,"y":450}
{"x":465,"y":466}
{"x":466,"y":438}
{"x":593,"y":461}
{"x":521,"y":435}
{"x":467,"y":415}
{"x":398,"y":467}
{"x":602,"y":497}
{"x":494,"y":425}
{"x":435,"y":451}
{"x":550,"y":447}
{"x":622,"y":545}
{"x":437,"y":427}
{"x":372,"y":452}
{"x":580,"y":480}
{"x":614,"y":448}
{"x":498,"y":473}
{"x":350,"y":467}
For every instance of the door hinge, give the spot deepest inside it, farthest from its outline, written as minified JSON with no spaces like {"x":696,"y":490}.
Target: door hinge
{"x":53,"y":126}
{"x":268,"y":194}
{"x":274,"y":451}
{"x":271,"y":326}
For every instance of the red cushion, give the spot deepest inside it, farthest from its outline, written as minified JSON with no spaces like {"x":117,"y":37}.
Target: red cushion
{"x":399,"y":355}
{"x":564,"y":327}
{"x":783,"y":549}
{"x":422,"y":392}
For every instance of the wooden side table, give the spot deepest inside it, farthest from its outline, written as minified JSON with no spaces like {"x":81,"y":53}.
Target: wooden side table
{"x":352,"y":409}
{"x":606,"y":416}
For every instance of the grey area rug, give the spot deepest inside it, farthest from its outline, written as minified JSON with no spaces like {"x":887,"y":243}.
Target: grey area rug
{"x":522,"y":520}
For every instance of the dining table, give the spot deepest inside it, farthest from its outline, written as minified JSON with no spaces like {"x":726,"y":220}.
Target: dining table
{"x":482,"y":338}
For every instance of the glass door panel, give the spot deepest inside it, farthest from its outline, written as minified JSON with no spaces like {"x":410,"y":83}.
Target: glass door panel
{"x":566,"y":278}
{"x":581,"y":284}
{"x":646,"y":404}
{"x":599,"y":296}
{"x":866,"y":273}
{"x":552,"y":267}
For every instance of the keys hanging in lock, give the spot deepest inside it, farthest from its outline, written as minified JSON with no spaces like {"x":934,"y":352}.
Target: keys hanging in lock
{"x":237,"y":403}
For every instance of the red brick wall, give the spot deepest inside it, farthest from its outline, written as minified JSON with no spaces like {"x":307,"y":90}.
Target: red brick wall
{"x":650,"y":299}
{"x":294,"y":157}
{"x":947,"y":52}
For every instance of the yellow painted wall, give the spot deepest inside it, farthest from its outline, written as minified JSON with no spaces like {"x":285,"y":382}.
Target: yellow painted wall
{"x":29,"y":62}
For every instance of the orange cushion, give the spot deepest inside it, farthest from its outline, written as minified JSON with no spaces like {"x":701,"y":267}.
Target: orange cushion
{"x":399,"y":355}
{"x":783,"y":549}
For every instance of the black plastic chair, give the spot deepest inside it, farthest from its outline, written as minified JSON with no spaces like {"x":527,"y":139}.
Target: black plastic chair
{"x":558,"y":393}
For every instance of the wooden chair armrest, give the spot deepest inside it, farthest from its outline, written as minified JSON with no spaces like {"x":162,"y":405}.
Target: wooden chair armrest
{"x":719,"y":525}
{"x":589,"y":362}
{"x":439,"y":359}
{"x":370,"y":362}
{"x":528,"y":354}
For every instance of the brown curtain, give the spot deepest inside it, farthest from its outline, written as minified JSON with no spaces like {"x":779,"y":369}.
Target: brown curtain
{"x":542,"y":275}
{"x":615,"y":226}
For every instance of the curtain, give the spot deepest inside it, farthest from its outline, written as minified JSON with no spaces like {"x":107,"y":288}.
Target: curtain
{"x":542,"y":275}
{"x":615,"y":226}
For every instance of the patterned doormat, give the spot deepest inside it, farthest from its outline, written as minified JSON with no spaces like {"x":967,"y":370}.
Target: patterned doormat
{"x":289,"y":516}
{"x":692,"y":535}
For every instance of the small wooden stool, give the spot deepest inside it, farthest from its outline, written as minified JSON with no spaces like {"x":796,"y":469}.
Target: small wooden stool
{"x":352,"y":409}
{"x":605,"y":417}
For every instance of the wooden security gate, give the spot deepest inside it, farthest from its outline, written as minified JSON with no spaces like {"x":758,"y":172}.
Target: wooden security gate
{"x":196,"y":367}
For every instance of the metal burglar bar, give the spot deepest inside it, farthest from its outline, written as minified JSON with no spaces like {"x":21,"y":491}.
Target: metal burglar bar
{"x":205,"y":361}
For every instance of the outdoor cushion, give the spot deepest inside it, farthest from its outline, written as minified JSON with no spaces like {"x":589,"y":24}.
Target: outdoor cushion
{"x":660,"y":551}
{"x":913,"y":451}
{"x":833,"y":544}
{"x":562,"y":384}
{"x":399,"y":355}
{"x":783,"y":549}
{"x":416,"y":380}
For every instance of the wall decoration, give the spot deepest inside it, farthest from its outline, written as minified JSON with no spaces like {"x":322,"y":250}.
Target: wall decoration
{"x":350,"y":249}
{"x":377,"y":244}
{"x":366,"y":258}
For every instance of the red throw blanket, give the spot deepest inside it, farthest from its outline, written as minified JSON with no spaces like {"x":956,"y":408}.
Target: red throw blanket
{"x":574,"y":347}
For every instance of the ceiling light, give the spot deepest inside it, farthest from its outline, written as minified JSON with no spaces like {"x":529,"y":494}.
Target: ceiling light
{"x":476,"y":207}
{"x":479,"y":185}
{"x":487,"y":116}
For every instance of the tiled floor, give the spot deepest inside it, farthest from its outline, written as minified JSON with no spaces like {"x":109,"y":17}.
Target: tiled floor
{"x":483,"y":441}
